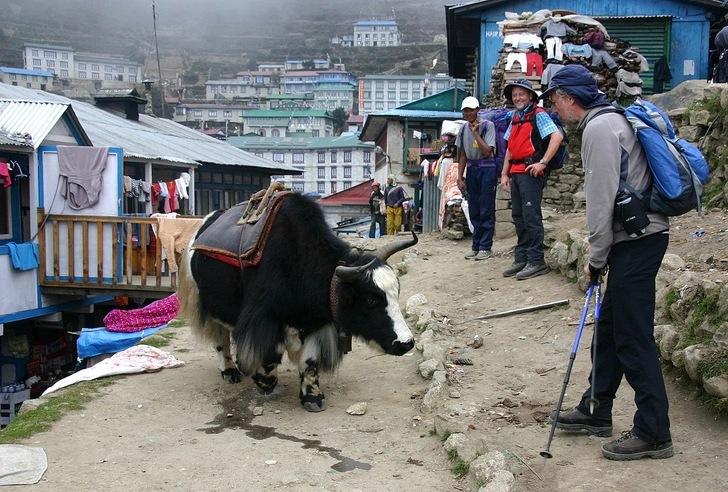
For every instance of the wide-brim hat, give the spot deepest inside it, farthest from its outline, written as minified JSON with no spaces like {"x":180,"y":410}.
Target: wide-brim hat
{"x":508,"y":89}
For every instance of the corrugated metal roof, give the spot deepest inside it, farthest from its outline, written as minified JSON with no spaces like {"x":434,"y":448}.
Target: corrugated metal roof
{"x":36,"y":119}
{"x":15,"y":139}
{"x":149,"y":139}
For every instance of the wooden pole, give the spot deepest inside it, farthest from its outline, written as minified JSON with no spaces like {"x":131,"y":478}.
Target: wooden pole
{"x":527,"y":309}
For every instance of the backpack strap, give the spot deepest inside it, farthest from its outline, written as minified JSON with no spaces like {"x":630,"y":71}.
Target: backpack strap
{"x":640,"y":195}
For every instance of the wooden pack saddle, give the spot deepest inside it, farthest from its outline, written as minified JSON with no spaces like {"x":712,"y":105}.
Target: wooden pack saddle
{"x":238,"y":237}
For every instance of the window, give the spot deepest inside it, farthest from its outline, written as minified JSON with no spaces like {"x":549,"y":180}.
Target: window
{"x":108,"y":76}
{"x":24,"y":77}
{"x":64,"y":56}
{"x":347,"y":172}
{"x":333,"y":187}
{"x":259,"y":154}
{"x":403,"y":95}
{"x":380,"y":95}
{"x":367,"y":105}
{"x":298,"y":157}
{"x":132,"y":78}
{"x":279,"y":157}
{"x":320,"y":172}
{"x":227,"y":114}
{"x":51,"y":63}
{"x":50,"y":55}
{"x":82,"y":66}
{"x":34,"y":78}
{"x":95,"y":66}
{"x":120,"y":69}
{"x":64,"y":64}
{"x":379,"y":105}
{"x":367,"y":172}
{"x":275,"y":133}
{"x":107,"y":68}
{"x":347,"y":185}
{"x":36,"y":61}
{"x":298,"y":187}
{"x":300,"y":176}
{"x":34,"y":53}
{"x":212,"y":113}
{"x":333,"y":156}
{"x":28,"y":85}
{"x":347,"y":156}
{"x":95,"y":75}
{"x":392,"y":94}
{"x":315,"y":133}
{"x":321,"y":187}
{"x":198,"y":113}
{"x":82,"y":75}
{"x":64,"y":73}
{"x":321,"y":157}
{"x":333,"y":172}
{"x":367,"y":156}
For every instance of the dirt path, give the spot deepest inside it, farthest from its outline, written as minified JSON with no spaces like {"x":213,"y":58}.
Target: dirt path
{"x":185,"y":429}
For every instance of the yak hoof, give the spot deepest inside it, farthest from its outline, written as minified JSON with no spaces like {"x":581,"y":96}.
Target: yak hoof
{"x":232,"y":376}
{"x":265,"y":384}
{"x":314,"y":403}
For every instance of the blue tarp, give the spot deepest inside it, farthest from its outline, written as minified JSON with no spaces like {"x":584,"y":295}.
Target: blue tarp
{"x":97,"y":341}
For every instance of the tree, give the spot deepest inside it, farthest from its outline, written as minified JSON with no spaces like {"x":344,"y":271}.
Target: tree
{"x":339,"y":115}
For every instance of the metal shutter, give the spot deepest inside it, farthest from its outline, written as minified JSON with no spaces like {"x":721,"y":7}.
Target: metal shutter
{"x":650,"y":35}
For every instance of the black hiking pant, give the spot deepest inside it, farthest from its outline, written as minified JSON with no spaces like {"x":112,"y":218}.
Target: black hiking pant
{"x":625,"y":339}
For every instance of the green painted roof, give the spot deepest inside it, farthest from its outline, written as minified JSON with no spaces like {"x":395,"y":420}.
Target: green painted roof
{"x":251,"y":143}
{"x":334,"y":87}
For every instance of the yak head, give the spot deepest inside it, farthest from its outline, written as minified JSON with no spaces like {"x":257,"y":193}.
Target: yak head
{"x":365,"y":300}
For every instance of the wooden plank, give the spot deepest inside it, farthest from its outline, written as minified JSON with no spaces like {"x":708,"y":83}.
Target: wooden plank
{"x":70,"y":226}
{"x":114,"y":253}
{"x":86,"y":250}
{"x":56,"y":244}
{"x":99,"y":252}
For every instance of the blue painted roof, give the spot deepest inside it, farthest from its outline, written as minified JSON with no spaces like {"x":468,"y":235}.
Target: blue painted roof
{"x":22,"y":71}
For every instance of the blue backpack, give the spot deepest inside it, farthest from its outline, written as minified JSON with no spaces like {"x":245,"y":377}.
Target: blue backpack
{"x":678,"y":168}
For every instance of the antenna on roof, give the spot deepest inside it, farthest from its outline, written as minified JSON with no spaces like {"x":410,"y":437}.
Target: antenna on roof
{"x":156,"y":46}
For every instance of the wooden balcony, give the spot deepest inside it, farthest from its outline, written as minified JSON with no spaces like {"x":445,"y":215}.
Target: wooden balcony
{"x":98,"y":255}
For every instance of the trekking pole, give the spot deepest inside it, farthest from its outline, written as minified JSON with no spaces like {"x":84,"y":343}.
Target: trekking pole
{"x":546,"y":453}
{"x":593,"y":402}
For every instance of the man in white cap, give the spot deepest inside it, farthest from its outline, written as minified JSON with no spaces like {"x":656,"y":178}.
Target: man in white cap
{"x":476,"y":150}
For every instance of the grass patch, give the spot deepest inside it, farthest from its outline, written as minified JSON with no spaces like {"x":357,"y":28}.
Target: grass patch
{"x":158,"y":340}
{"x":176,"y":323}
{"x":706,"y":308}
{"x":433,"y":432}
{"x":460,"y":468}
{"x":445,"y":436}
{"x":713,"y":366}
{"x":671,"y":298}
{"x":41,"y":419}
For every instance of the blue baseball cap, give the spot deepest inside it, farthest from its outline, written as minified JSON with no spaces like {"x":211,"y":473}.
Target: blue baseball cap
{"x":579,"y":83}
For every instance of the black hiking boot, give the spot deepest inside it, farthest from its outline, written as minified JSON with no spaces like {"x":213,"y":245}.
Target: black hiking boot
{"x":630,"y":447}
{"x":516,"y":267}
{"x":576,"y":421}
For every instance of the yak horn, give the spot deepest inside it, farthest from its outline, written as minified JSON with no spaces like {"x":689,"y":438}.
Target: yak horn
{"x":348,"y":272}
{"x":389,"y":249}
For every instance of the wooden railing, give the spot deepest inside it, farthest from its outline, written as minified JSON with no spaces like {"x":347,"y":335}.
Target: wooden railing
{"x":112,"y":262}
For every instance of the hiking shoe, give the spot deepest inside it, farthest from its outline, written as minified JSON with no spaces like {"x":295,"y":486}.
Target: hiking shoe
{"x":471,"y":255}
{"x":576,"y":421}
{"x":631,"y":447}
{"x":516,"y":267}
{"x":484,"y":254}
{"x":532,"y":270}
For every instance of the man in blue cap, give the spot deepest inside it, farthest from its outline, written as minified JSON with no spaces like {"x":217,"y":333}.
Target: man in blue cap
{"x":533,"y":139}
{"x":612,"y":155}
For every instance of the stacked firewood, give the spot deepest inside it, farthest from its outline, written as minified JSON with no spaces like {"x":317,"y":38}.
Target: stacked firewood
{"x":626,"y":57}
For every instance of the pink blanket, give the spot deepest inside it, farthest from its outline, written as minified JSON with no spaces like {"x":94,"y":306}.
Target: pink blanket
{"x":132,"y":320}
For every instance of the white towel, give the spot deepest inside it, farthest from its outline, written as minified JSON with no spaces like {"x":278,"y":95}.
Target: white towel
{"x":21,"y":465}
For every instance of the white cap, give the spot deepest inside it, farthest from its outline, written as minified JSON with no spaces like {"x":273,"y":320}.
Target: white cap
{"x":470,"y":102}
